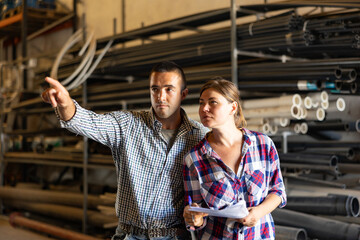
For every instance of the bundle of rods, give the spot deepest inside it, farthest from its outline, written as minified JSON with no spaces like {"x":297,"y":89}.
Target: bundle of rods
{"x":302,"y":37}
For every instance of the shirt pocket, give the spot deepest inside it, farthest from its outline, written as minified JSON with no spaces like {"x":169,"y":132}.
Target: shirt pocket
{"x":255,"y":182}
{"x":217,"y":191}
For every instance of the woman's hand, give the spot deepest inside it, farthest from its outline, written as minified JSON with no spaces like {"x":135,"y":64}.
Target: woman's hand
{"x":250,"y":220}
{"x":194,"y":218}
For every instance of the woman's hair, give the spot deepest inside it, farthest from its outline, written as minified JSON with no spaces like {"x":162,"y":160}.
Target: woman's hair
{"x":229,"y":91}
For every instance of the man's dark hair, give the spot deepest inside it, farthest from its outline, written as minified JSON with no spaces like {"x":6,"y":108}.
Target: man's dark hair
{"x":170,"y":66}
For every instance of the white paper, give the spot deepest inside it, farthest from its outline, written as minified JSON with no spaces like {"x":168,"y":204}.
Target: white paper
{"x":237,"y":210}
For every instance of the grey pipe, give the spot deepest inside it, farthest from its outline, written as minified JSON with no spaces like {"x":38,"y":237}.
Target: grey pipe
{"x":317,"y":227}
{"x":333,"y":204}
{"x":289,"y":233}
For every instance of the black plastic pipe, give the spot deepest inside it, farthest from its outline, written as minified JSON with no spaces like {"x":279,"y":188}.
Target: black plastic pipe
{"x":290,"y":233}
{"x":317,"y":227}
{"x":332,"y":204}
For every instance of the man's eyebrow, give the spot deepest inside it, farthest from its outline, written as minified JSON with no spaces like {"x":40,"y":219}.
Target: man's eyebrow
{"x":163,"y":86}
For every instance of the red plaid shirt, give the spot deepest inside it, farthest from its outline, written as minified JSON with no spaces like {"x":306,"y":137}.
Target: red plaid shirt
{"x":210,"y":183}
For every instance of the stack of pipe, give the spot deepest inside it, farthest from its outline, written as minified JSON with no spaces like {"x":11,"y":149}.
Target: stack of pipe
{"x":273,"y":115}
{"x":206,"y":50}
{"x":63,"y":205}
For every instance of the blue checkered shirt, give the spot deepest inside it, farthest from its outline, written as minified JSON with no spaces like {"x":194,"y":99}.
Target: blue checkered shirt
{"x":150,"y":191}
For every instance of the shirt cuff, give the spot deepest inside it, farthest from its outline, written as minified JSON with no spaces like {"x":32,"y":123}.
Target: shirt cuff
{"x":193,"y":228}
{"x":68,"y":123}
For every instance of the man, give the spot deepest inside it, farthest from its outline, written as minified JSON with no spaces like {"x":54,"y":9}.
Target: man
{"x":148,"y":149}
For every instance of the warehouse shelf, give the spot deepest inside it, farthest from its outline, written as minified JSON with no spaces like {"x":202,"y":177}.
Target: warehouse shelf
{"x":37,"y":19}
{"x":203,"y":55}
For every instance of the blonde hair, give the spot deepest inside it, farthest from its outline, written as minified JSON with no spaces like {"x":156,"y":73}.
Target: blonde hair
{"x":229,"y":91}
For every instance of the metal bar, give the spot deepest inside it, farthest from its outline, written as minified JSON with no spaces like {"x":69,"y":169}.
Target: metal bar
{"x":50,"y":26}
{"x":85,"y":166}
{"x":234,"y":51}
{"x":24,"y":32}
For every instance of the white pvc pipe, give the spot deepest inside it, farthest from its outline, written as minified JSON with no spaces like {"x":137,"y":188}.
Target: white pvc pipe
{"x":297,"y":128}
{"x":272,"y":102}
{"x":325,"y":105}
{"x":338,"y":105}
{"x":308,"y":102}
{"x":303,"y":113}
{"x":266,"y":128}
{"x":284,"y":111}
{"x":304,"y":128}
{"x":322,"y":96}
{"x":316,"y":114}
{"x":295,"y":112}
{"x":273,"y":129}
{"x":256,"y":128}
{"x":283,"y":122}
{"x":256,"y":121}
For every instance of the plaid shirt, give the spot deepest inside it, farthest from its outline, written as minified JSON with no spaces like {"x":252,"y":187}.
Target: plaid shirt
{"x":210,"y":183}
{"x":150,"y":189}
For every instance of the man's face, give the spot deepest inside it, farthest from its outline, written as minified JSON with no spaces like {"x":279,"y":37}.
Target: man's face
{"x":166,"y":94}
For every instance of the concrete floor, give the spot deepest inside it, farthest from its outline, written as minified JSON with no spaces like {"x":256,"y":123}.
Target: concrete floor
{"x":8,"y":232}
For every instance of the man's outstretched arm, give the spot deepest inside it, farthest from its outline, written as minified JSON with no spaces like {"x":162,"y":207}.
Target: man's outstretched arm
{"x":59,"y":98}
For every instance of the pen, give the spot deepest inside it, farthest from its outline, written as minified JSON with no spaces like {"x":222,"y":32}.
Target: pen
{"x":190,"y":201}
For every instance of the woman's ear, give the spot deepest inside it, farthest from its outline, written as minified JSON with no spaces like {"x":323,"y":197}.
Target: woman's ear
{"x":234,"y":107}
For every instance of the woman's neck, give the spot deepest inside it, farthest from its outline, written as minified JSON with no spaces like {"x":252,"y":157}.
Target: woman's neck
{"x":226,"y":136}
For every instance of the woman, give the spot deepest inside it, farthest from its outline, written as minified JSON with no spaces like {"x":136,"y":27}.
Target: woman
{"x":230,"y":164}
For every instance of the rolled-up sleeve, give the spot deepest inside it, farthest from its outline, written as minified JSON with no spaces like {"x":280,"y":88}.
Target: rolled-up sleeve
{"x":276,"y":184}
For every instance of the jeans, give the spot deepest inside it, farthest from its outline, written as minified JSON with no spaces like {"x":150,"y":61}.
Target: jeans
{"x":120,"y":235}
{"x":132,"y":237}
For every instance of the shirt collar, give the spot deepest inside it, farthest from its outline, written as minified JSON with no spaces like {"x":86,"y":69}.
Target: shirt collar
{"x":185,"y":126}
{"x":209,"y":152}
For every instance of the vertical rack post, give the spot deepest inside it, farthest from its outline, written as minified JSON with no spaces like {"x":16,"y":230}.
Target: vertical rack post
{"x":234,"y":67}
{"x":85,"y":167}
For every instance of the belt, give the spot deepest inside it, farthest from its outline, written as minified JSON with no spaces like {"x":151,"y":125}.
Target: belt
{"x":152,"y":232}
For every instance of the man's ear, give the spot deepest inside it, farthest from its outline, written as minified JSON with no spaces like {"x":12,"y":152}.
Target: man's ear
{"x":184,"y":93}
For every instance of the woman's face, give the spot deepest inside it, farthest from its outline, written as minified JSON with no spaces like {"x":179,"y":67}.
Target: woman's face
{"x":215,"y":110}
